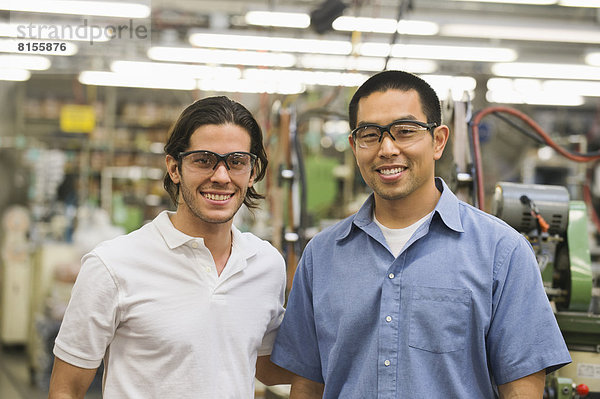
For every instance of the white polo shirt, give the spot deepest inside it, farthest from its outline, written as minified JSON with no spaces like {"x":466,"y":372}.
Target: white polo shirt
{"x":151,"y":305}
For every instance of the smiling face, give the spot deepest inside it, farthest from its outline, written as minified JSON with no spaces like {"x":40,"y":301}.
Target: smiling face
{"x":212,"y":198}
{"x":395,"y":171}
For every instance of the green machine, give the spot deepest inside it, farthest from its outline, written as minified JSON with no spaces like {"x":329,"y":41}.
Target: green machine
{"x":557,"y":230}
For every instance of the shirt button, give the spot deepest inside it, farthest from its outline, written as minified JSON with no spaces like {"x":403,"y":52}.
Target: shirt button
{"x":387,"y":363}
{"x":391,"y":275}
{"x":208,"y":269}
{"x":388,"y":319}
{"x":194,"y":244}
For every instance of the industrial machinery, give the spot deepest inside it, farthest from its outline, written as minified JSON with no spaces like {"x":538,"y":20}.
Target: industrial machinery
{"x":557,"y":230}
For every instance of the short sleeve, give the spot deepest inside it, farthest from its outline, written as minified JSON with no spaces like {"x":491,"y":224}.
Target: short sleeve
{"x":524,"y":336}
{"x":296,"y":347}
{"x":91,"y":316}
{"x":266,"y":346}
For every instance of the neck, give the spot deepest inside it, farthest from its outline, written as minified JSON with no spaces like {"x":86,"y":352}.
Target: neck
{"x":217,"y":237}
{"x":402,"y":212}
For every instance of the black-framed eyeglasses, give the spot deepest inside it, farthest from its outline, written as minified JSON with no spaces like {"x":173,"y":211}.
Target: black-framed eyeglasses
{"x":402,"y":131}
{"x":205,"y":162}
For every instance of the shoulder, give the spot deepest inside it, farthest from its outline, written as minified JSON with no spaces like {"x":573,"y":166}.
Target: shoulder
{"x":474,"y":219}
{"x":336,"y":231}
{"x":263,"y":248}
{"x":130,"y":243}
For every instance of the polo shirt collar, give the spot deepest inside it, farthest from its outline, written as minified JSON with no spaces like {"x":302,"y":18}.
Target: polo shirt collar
{"x":175,"y":238}
{"x":447,"y":207}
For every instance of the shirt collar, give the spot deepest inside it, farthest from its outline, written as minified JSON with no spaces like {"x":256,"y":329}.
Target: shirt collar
{"x":175,"y":238}
{"x":447,"y":208}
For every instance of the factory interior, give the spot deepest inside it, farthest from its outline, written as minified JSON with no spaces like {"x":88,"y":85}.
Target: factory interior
{"x":86,"y":112}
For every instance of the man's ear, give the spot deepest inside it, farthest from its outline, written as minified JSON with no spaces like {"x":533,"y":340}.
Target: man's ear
{"x":352,"y":144}
{"x":440,"y":138}
{"x":252,"y":176}
{"x":173,"y":169}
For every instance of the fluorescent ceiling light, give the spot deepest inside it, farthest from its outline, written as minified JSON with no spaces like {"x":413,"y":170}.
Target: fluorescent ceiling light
{"x":529,"y":91}
{"x":34,"y":47}
{"x":580,"y":3}
{"x":436,"y":52}
{"x":31,"y":62}
{"x":359,"y":63}
{"x":150,"y":81}
{"x":533,"y":99}
{"x":250,"y":86}
{"x":456,"y":53}
{"x":343,"y":62}
{"x":555,"y":88}
{"x":165,"y":69}
{"x":531,"y":33}
{"x":385,"y":25}
{"x":579,"y":87}
{"x":422,"y":28}
{"x":365,"y":24}
{"x":373,"y":49}
{"x":18,"y":75}
{"x":533,"y":2}
{"x":282,"y":19}
{"x":229,"y":57}
{"x":348,"y":79}
{"x":97,"y":8}
{"x":547,"y":71}
{"x":49,"y":30}
{"x":267,"y":43}
{"x":593,"y":59}
{"x":414,"y":66}
{"x":455,"y":86}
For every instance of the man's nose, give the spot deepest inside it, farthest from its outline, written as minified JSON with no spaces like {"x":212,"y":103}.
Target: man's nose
{"x":388,"y":145}
{"x":220,"y":174}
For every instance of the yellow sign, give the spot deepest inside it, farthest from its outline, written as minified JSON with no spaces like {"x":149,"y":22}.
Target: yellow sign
{"x":76,"y":118}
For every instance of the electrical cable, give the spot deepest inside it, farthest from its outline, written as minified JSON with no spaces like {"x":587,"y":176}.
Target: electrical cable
{"x":587,"y":198}
{"x":526,"y":132}
{"x":403,"y":7}
{"x":574,"y":156}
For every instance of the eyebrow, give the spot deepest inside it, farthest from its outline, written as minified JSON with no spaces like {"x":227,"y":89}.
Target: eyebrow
{"x":404,"y":117}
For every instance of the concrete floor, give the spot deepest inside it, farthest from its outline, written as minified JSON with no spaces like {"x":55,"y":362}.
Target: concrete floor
{"x":15,"y":377}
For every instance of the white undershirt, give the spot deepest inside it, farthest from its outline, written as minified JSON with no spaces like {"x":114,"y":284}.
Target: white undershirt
{"x":397,"y":238}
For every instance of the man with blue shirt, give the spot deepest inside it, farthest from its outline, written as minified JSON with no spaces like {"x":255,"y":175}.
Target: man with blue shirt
{"x":418,"y":295}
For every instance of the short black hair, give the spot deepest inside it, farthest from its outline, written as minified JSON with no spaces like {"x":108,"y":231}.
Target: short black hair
{"x":218,"y":110}
{"x":398,"y":80}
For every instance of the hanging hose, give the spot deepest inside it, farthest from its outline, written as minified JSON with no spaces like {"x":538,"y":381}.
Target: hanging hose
{"x":574,"y":156}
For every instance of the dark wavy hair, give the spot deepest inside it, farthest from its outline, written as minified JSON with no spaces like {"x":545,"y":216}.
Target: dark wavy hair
{"x":215,"y":111}
{"x":398,"y":80}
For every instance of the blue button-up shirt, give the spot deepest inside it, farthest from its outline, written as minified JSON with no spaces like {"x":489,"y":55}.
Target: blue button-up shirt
{"x":460,"y":310}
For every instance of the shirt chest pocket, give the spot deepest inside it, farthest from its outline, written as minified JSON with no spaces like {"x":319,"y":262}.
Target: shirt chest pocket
{"x":439,"y":319}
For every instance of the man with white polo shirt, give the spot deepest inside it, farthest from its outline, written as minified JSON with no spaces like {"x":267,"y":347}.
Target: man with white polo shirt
{"x":187,"y":306}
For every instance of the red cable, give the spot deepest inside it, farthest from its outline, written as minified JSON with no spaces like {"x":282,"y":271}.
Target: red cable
{"x":530,"y":122}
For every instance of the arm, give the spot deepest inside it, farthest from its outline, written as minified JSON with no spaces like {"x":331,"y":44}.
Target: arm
{"x":531,"y":386}
{"x":269,"y":373}
{"x":303,"y":388}
{"x":68,"y":381}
